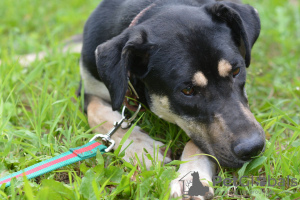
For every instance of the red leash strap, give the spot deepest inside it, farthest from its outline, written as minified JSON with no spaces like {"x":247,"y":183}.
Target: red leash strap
{"x":73,"y":155}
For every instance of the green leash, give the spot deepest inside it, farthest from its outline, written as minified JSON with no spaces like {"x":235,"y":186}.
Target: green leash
{"x":73,"y":155}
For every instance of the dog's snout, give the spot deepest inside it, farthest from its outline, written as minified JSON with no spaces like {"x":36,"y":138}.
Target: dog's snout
{"x":249,"y":147}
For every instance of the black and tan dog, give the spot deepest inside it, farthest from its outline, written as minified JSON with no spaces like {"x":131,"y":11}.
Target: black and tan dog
{"x":187,"y":60}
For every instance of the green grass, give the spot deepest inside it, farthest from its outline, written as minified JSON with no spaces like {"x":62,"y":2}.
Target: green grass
{"x":40,"y":116}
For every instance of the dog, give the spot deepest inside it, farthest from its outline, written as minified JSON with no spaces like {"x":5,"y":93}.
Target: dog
{"x":187,"y":61}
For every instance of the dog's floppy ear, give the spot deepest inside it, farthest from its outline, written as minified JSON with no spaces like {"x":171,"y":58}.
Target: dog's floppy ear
{"x":243,"y":20}
{"x":116,"y":57}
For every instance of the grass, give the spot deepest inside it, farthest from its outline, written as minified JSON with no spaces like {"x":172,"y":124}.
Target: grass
{"x":40,"y":116}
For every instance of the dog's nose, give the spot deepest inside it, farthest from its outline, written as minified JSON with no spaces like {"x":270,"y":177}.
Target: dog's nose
{"x":249,"y":147}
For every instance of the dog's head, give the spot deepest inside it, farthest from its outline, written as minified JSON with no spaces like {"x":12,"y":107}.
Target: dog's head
{"x":193,"y":67}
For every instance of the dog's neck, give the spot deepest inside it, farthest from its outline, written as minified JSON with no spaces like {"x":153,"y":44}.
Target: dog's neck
{"x":133,"y":23}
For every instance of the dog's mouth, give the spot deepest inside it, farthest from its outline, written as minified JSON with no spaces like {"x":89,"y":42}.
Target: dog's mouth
{"x":232,"y":144}
{"x":228,"y":160}
{"x":226,"y":157}
{"x":220,"y":155}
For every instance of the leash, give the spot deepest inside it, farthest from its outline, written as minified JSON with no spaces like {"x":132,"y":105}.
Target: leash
{"x":73,"y":155}
{"x":90,"y":149}
{"x":77,"y":154}
{"x":131,"y":99}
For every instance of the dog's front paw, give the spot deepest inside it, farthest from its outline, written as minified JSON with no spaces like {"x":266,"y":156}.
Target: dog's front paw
{"x":191,"y":188}
{"x":142,"y":145}
{"x":192,"y":183}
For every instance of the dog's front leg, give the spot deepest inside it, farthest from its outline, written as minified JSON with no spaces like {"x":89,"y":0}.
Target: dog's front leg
{"x":200,"y":165}
{"x":99,"y":111}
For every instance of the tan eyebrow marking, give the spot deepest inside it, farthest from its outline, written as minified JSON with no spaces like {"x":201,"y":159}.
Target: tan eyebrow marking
{"x":224,"y":68}
{"x":199,"y":79}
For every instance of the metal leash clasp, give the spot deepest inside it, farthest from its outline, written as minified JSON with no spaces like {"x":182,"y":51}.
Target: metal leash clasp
{"x":117,"y":125}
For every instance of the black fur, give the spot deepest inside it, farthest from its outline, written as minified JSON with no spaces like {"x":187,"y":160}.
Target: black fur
{"x":170,"y":43}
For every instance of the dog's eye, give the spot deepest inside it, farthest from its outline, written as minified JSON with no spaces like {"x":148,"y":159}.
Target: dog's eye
{"x":188,"y":91}
{"x":235,"y":72}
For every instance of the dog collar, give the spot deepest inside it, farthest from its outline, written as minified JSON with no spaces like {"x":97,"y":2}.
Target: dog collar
{"x":141,"y":14}
{"x":131,"y":96}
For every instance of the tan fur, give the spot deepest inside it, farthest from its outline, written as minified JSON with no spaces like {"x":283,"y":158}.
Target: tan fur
{"x":206,"y":169}
{"x":199,"y":79}
{"x":216,"y":129}
{"x":224,"y":68}
{"x":99,"y":111}
{"x":248,"y":114}
{"x":161,"y":107}
{"x":218,"y":125}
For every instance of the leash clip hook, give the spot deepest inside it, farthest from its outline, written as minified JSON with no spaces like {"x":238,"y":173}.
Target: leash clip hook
{"x":117,"y":125}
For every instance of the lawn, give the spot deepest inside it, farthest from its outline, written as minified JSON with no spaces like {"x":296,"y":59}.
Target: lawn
{"x":41,"y":117}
